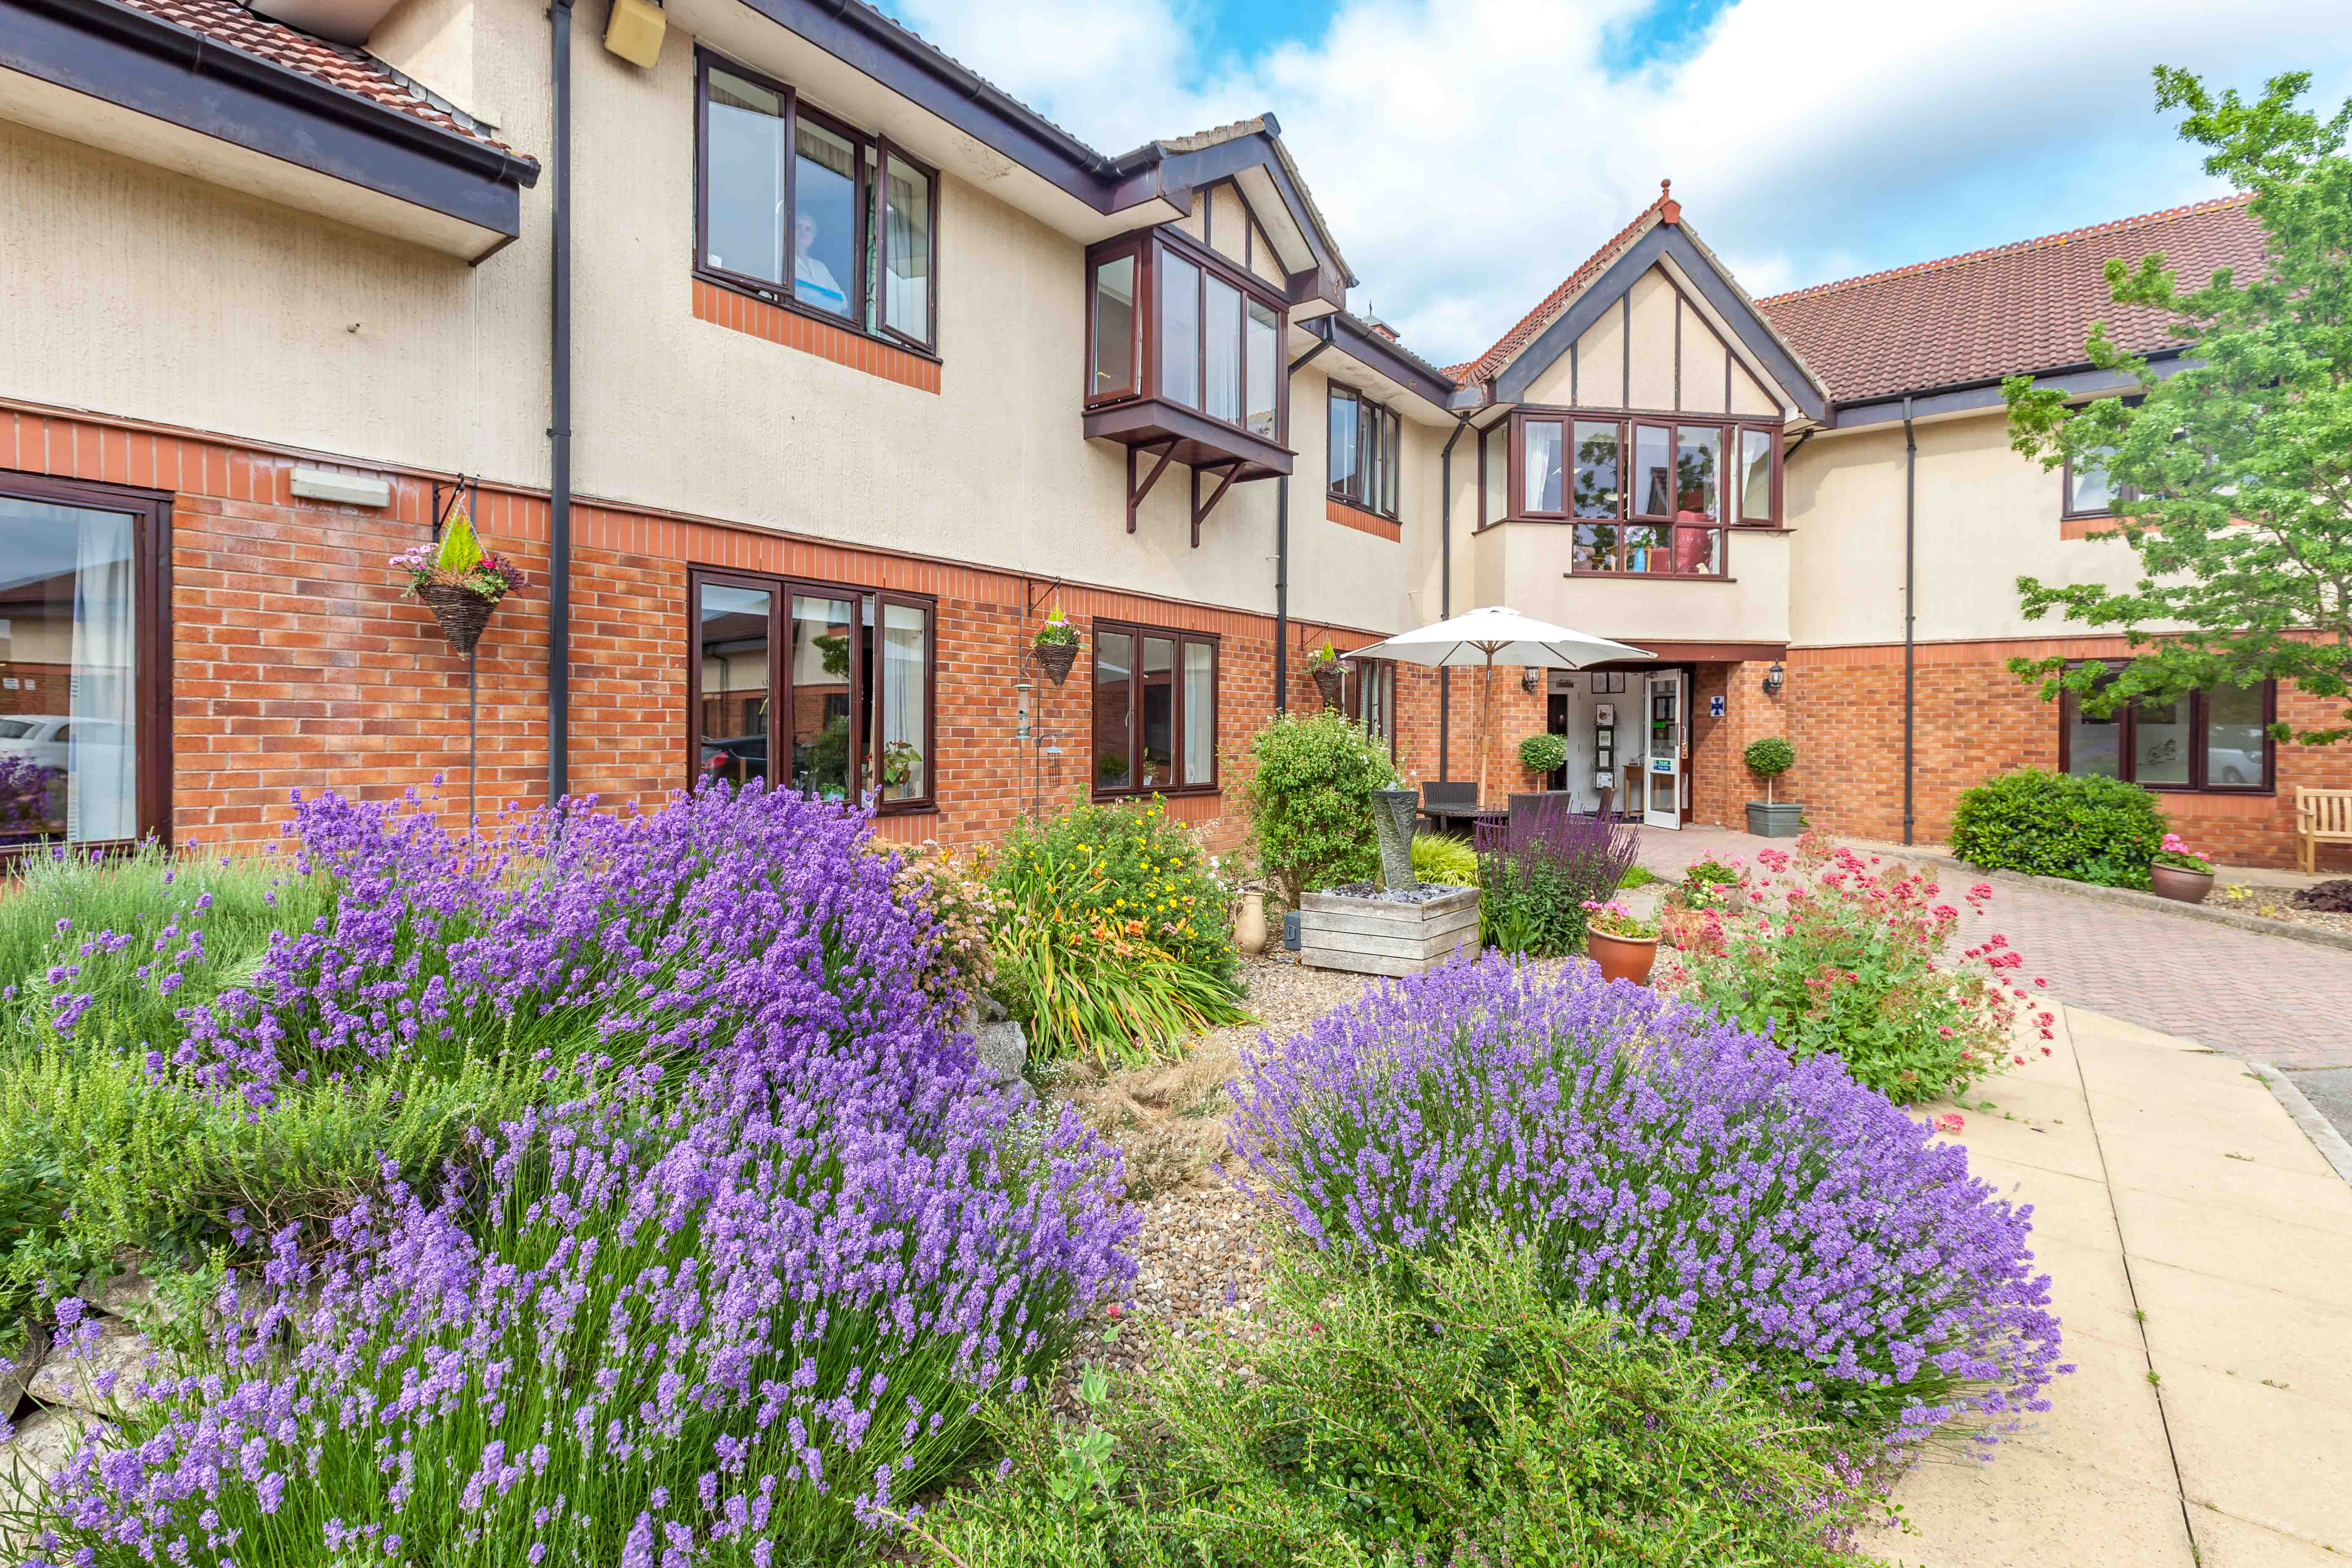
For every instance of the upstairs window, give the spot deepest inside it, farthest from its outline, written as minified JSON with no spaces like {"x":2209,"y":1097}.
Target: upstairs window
{"x":2090,"y":492}
{"x":1645,"y":497}
{"x":805,"y":209}
{"x":1172,"y":321}
{"x":1367,"y":452}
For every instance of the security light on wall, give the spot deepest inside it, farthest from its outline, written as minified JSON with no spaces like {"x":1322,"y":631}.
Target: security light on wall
{"x":1775,"y":679}
{"x":634,"y":32}
{"x":1530,"y":680}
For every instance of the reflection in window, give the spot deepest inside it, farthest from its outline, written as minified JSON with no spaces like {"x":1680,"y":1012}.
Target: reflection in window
{"x":1222,"y":346}
{"x":1200,"y":714}
{"x":824,"y":631}
{"x":735,"y":693}
{"x":1345,"y":413}
{"x":907,"y":254}
{"x":1755,"y":474}
{"x":1264,"y":347}
{"x":825,"y":220}
{"x":1114,"y":327}
{"x":1157,"y":696}
{"x":1698,"y":473}
{"x":1541,"y":485}
{"x":2095,"y":746}
{"x":1653,"y":476}
{"x":1596,"y":469}
{"x":902,"y":766}
{"x":2210,"y":740}
{"x":69,"y":672}
{"x":1114,"y":715}
{"x":2087,"y":488}
{"x":2235,"y":743}
{"x":2161,"y":741}
{"x":745,"y":151}
{"x":1180,"y":330}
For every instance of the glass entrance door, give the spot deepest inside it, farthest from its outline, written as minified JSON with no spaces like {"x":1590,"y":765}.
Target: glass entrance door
{"x":1662,"y":767}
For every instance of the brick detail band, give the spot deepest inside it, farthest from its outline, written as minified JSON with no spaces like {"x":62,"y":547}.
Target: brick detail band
{"x":743,"y":313}
{"x":1362,"y":521}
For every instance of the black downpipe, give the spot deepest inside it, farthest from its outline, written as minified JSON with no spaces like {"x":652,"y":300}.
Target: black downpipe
{"x":1910,"y":614}
{"x":1445,"y":586}
{"x":558,"y":431}
{"x":1282,"y":562}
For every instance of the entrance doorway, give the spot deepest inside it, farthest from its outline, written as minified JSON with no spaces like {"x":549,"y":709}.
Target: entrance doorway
{"x":1662,"y":769}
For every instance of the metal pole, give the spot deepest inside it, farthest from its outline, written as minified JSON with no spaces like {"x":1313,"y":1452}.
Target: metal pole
{"x":1282,"y":594}
{"x":1910,"y":617}
{"x":1445,"y":586}
{"x":473,"y":668}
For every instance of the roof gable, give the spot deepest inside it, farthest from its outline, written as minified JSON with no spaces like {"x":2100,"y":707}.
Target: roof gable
{"x":2007,"y":310}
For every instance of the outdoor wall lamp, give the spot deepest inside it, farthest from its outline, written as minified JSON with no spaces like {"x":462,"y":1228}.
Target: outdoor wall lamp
{"x":1775,"y":679}
{"x":1530,"y":679}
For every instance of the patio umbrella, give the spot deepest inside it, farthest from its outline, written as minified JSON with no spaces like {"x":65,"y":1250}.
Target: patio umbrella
{"x":1479,"y":637}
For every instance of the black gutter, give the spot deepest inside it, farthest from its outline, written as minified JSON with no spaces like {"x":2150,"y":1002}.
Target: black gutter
{"x":136,"y":61}
{"x":558,"y":429}
{"x":1282,"y":563}
{"x":1966,"y":396}
{"x":1910,"y":607}
{"x":1360,"y":341}
{"x":1445,"y":584}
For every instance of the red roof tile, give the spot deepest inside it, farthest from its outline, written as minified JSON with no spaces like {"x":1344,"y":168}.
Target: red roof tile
{"x":354,"y":70}
{"x":2003,"y":312}
{"x":1665,"y":209}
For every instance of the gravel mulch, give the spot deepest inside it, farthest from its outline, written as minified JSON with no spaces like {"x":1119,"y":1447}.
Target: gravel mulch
{"x":2275,"y":904}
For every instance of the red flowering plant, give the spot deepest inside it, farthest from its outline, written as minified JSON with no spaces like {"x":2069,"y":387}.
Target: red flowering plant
{"x":1835,"y":953}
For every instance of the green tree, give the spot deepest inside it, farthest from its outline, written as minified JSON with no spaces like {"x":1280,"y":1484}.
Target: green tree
{"x":1310,"y":801}
{"x":2233,"y":475}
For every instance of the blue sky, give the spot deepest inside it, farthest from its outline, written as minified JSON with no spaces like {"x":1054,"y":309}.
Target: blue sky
{"x":1469,"y":153}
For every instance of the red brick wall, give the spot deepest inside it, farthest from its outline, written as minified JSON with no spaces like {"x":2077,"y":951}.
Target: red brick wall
{"x":1721,"y":786}
{"x":1975,"y":719}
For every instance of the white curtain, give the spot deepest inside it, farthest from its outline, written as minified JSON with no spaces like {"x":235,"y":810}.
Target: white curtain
{"x":101,"y":789}
{"x":1200,"y":714}
{"x":903,"y":636}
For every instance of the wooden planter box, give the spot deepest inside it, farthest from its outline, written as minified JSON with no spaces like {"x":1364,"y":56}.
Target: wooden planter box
{"x":1383,"y":936}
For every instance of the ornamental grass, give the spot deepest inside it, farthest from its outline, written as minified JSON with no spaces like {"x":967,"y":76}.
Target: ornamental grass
{"x":1673,"y":1169}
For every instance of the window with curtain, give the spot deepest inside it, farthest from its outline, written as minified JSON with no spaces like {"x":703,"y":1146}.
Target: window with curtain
{"x":1180,"y":331}
{"x":2216,"y":740}
{"x":1540,"y":487}
{"x":1373,"y":700}
{"x":1155,"y":711}
{"x":1366,"y":447}
{"x":82,"y":735}
{"x":1215,"y":333}
{"x":824,"y":690}
{"x":791,"y":201}
{"x":1649,"y":497}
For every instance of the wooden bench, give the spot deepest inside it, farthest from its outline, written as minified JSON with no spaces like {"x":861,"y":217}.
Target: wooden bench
{"x":2321,"y":816}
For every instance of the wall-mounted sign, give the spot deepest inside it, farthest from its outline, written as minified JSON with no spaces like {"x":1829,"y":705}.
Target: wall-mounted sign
{"x":1604,"y":715}
{"x":1715,"y":705}
{"x":1662,"y":764}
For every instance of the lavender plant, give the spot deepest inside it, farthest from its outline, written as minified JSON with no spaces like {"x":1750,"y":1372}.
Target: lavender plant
{"x":727,"y":1301}
{"x":1670,"y":1168}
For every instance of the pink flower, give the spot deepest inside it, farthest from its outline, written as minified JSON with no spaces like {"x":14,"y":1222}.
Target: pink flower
{"x":1951,"y":1122}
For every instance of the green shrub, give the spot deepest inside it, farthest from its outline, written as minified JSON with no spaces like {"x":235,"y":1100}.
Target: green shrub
{"x":1543,"y":754}
{"x":1767,"y":759}
{"x":1310,"y":801}
{"x":2060,"y":824}
{"x":1456,"y":1414}
{"x":1438,"y":858}
{"x":1112,"y":935}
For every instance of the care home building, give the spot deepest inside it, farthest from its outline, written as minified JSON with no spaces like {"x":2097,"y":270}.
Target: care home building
{"x":805,"y":372}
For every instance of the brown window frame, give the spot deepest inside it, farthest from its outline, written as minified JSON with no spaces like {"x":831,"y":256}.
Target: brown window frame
{"x":1151,"y":247}
{"x":1389,"y":443}
{"x":873,"y":150}
{"x":2067,"y":508}
{"x":1138,"y":631}
{"x":866,"y":757}
{"x":1364,"y":674}
{"x":1630,"y":421}
{"x":151,"y":567}
{"x":2069,"y":705}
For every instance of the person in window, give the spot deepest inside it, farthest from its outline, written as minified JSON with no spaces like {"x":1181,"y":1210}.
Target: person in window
{"x":813,"y":280}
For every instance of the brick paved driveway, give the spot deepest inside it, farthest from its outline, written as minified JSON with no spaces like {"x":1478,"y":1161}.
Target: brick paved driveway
{"x":2270,"y":998}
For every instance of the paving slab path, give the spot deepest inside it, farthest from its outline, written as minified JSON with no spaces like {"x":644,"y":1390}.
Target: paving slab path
{"x":2272,"y":999}
{"x":2201,"y":1253}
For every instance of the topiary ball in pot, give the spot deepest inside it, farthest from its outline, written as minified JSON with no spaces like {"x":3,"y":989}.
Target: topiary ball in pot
{"x":1767,"y":759}
{"x":1543,"y":754}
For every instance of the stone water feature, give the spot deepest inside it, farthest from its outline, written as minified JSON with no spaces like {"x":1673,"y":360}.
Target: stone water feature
{"x":1397,"y":925}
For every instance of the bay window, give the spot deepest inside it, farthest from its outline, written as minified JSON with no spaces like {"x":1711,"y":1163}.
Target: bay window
{"x":1154,"y":726}
{"x":85,"y":729}
{"x":1171,"y":322}
{"x":1645,"y":496}
{"x":822,"y":689}
{"x":2215,"y":741}
{"x":1366,"y":446}
{"x":803,"y":209}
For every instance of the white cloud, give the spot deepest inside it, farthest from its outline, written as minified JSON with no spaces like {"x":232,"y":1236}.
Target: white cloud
{"x":1469,"y":154}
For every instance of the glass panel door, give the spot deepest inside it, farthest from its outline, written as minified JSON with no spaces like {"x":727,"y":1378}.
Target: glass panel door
{"x":819,"y":664}
{"x":1662,"y":769}
{"x":732,"y":721}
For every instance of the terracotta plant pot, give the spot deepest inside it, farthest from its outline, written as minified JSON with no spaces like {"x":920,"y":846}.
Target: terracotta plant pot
{"x":1623,"y":957}
{"x":1328,"y":678}
{"x":2180,"y":884}
{"x":1249,"y":926}
{"x":461,"y":611}
{"x":1056,"y":658}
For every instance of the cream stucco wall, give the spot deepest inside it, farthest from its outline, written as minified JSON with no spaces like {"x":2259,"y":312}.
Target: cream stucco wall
{"x":149,"y":295}
{"x":1525,"y":566}
{"x":1985,"y":516}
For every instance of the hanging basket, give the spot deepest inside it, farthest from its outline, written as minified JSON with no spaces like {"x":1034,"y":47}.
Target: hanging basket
{"x":1327,"y":680}
{"x":1056,"y":658}
{"x":461,"y":611}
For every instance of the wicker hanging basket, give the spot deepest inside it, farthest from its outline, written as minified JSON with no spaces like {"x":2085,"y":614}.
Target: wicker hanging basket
{"x":1056,"y":658}
{"x":1327,"y":680}
{"x":461,"y":611}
